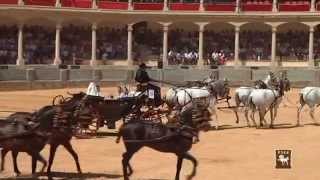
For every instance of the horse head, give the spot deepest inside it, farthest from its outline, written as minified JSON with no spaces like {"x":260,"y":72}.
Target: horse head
{"x":219,"y":88}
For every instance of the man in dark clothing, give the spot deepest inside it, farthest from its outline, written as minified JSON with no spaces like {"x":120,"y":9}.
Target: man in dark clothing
{"x":144,"y":80}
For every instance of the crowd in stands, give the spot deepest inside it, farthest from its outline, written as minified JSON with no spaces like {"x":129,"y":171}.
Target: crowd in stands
{"x":111,"y":43}
{"x":293,"y":45}
{"x":8,"y":44}
{"x":39,"y":45}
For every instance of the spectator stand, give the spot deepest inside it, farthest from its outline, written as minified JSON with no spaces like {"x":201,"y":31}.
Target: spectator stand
{"x":8,"y":43}
{"x":112,"y":4}
{"x":213,"y":5}
{"x":147,"y":41}
{"x":9,"y":2}
{"x":292,"y":42}
{"x":39,"y":44}
{"x":255,"y":42}
{"x":111,"y":42}
{"x":218,"y":43}
{"x":183,"y":44}
{"x":294,"y":5}
{"x":256,"y":5}
{"x":151,"y":5}
{"x":76,"y":43}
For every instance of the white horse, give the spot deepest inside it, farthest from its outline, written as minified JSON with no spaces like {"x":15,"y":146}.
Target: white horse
{"x":242,"y":93}
{"x":265,"y":100}
{"x":205,"y":97}
{"x":311,"y":97}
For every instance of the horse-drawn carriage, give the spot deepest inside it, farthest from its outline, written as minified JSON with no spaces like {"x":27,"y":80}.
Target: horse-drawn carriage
{"x":95,"y":112}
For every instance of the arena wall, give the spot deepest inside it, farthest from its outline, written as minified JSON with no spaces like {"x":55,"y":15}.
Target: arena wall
{"x":15,"y":78}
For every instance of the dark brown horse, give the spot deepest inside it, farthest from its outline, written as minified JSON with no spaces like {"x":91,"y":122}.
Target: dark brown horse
{"x":55,"y":123}
{"x":178,"y":140}
{"x":17,"y":136}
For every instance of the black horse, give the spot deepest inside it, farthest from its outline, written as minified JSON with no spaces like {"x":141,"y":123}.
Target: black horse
{"x":17,"y":136}
{"x":53,"y":123}
{"x":111,"y":110}
{"x":178,"y":140}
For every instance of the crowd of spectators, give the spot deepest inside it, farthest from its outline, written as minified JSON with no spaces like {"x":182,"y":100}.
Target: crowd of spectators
{"x":75,"y":44}
{"x":111,"y":43}
{"x":255,"y":45}
{"x":293,"y":45}
{"x":8,"y":44}
{"x":39,"y":45}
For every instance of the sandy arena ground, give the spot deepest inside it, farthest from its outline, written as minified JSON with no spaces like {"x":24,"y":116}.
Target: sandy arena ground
{"x":233,"y":153}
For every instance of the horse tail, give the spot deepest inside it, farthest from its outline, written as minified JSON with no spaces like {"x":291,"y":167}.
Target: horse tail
{"x":119,"y":134}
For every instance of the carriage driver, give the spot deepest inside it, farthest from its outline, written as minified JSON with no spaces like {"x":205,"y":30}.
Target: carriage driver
{"x":144,"y":80}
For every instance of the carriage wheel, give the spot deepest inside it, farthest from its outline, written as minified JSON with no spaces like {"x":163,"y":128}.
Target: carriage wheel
{"x":59,"y":99}
{"x":85,"y":131}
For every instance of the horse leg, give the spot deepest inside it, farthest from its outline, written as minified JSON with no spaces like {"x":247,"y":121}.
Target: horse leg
{"x":261,"y":117}
{"x":195,"y":164}
{"x":179,"y":165}
{"x":3,"y":155}
{"x":298,"y":113}
{"x":15,"y":164}
{"x":41,"y":159}
{"x":53,"y":149}
{"x":37,"y":157}
{"x":311,"y":112}
{"x":34,"y":164}
{"x":272,"y":117}
{"x":125,"y":161}
{"x":252,"y":117}
{"x":69,"y":148}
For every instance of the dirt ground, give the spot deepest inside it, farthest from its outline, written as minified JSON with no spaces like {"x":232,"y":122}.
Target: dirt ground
{"x":234,"y":152}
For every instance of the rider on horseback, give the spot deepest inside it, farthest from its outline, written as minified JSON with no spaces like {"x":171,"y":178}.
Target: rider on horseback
{"x":144,"y":80}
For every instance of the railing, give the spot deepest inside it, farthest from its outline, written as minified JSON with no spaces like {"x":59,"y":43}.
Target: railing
{"x":253,"y":5}
{"x":112,"y":5}
{"x":40,"y":2}
{"x":148,"y":6}
{"x":220,"y":7}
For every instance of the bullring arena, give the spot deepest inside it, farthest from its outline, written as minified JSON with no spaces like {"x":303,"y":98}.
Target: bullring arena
{"x":51,"y":47}
{"x":233,"y":152}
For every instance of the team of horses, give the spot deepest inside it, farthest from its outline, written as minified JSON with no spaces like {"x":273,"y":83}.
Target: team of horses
{"x":189,"y":107}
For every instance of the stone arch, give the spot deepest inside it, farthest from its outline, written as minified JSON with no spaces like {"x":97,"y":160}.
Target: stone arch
{"x":183,"y":39}
{"x":255,"y":41}
{"x":292,"y":41}
{"x":218,"y":38}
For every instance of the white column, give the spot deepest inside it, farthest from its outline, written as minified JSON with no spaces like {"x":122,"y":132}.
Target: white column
{"x":237,"y":6}
{"x":273,"y":47}
{"x":20,"y":60}
{"x":311,"y":41}
{"x":200,"y":47}
{"x":94,"y":4}
{"x":130,"y":5}
{"x":201,"y":7}
{"x":313,"y":6}
{"x":20,"y":2}
{"x":237,"y":62}
{"x":58,"y":3}
{"x":129,"y":53}
{"x":165,"y":5}
{"x":274,"y":6}
{"x":165,"y":45}
{"x":93,"y":61}
{"x":57,"y":59}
